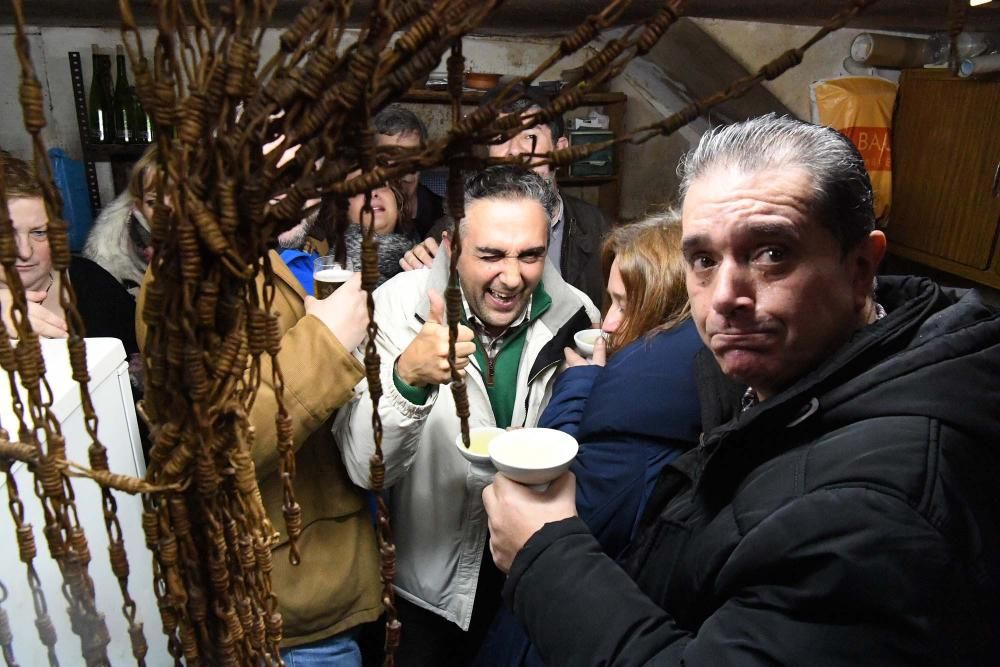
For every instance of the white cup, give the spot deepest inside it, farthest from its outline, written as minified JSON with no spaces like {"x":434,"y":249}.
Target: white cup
{"x":533,"y":456}
{"x":585,"y":341}
{"x":479,"y":440}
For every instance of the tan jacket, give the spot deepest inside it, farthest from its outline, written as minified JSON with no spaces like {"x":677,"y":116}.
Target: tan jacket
{"x":336,"y":586}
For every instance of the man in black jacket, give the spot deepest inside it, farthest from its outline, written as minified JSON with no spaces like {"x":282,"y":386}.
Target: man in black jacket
{"x":847,"y":513}
{"x":577,"y":227}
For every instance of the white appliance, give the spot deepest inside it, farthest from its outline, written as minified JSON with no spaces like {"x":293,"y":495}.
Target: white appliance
{"x":111,"y":394}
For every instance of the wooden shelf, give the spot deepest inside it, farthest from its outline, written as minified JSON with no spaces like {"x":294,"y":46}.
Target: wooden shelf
{"x":110,"y":152}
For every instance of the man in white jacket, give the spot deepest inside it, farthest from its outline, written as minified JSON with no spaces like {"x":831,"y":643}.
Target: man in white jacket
{"x":519,"y":315}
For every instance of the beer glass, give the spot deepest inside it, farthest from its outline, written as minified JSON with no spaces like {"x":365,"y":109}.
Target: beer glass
{"x":328,"y":275}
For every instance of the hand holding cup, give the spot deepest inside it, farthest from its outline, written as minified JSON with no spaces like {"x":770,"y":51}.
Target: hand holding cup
{"x":591,"y":349}
{"x":328,"y":275}
{"x":344,"y":311}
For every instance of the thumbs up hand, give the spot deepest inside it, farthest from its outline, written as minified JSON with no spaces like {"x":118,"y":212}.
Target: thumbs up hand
{"x":425,"y":360}
{"x":436,"y":314}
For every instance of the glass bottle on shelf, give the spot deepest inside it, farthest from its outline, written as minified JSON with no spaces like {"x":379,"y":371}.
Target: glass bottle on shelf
{"x":142,"y":124}
{"x":99,"y":125}
{"x":937,"y":49}
{"x":888,"y":51}
{"x":967,"y":45}
{"x":972,"y":44}
{"x":122,"y":110}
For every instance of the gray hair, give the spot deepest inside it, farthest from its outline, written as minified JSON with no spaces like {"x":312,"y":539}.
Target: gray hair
{"x":511,"y":182}
{"x":397,"y":119}
{"x":842,"y":191}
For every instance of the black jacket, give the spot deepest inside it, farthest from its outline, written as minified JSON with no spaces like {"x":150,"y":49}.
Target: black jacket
{"x":852,"y":519}
{"x":585,"y":228}
{"x":430,"y":209}
{"x":105,"y":307}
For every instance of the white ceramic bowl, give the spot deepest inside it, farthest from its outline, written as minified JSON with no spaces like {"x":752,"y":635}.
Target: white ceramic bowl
{"x":533,"y":455}
{"x":585,"y":341}
{"x":479,"y":440}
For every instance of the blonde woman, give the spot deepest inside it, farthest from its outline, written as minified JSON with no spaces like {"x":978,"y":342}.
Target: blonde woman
{"x":120,"y":240}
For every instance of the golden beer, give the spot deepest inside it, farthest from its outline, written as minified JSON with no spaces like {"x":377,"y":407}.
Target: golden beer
{"x":326,"y":281}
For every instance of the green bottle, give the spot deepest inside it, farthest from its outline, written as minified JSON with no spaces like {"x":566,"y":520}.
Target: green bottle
{"x":99,"y":105}
{"x":141,"y":122}
{"x":122,"y":104}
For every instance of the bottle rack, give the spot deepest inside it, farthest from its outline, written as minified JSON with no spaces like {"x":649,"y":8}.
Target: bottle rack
{"x":119,"y":155}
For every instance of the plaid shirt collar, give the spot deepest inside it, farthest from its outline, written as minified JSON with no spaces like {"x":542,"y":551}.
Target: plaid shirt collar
{"x":492,"y":344}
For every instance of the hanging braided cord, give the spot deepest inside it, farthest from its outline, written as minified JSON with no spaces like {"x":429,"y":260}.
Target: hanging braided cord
{"x":212,"y":338}
{"x":65,"y":537}
{"x":456,"y":209}
{"x":218,"y":324}
{"x":379,"y":31}
{"x":24,"y":531}
{"x":6,"y":636}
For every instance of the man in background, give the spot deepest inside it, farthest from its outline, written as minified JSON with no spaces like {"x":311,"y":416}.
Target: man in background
{"x":397,"y":126}
{"x":577,"y":227}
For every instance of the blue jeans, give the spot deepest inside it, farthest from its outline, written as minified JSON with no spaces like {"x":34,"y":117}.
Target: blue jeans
{"x":340,"y":650}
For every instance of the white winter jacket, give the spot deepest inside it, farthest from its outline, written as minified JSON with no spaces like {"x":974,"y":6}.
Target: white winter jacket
{"x":435,"y":500}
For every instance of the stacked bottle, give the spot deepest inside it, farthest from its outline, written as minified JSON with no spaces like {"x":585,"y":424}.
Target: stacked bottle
{"x":141,"y":121}
{"x":968,"y":45}
{"x":891,"y":51}
{"x":978,"y":53}
{"x":99,"y":103}
{"x":115,"y":113}
{"x":123,"y":111}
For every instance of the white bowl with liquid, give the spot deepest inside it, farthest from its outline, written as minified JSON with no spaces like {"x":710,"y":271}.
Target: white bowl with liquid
{"x":585,"y":341}
{"x":479,"y":441}
{"x":533,"y":456}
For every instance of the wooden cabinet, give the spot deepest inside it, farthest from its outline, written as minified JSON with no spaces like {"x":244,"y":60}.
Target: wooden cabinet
{"x":602,"y":191}
{"x":945,"y":170}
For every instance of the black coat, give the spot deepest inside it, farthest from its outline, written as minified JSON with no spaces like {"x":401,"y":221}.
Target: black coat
{"x":585,"y":228}
{"x":852,"y":519}
{"x":105,"y":307}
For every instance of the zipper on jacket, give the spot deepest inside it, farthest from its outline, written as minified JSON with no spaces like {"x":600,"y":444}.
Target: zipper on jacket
{"x":568,"y":225}
{"x":527,"y":399}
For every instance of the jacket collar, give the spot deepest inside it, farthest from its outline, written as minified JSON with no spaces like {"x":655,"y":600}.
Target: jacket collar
{"x":563,"y":317}
{"x":283,"y":273}
{"x":909,"y":302}
{"x":564,"y":301}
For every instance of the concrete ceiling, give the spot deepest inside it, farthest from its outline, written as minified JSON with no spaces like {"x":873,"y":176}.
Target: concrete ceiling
{"x":557,"y":16}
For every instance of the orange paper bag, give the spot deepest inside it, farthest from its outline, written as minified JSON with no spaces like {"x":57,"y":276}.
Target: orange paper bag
{"x":860,"y":107}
